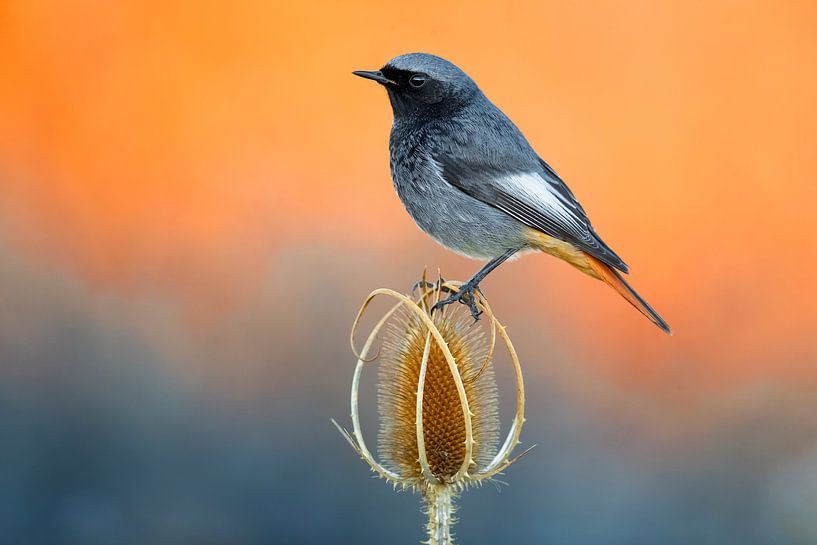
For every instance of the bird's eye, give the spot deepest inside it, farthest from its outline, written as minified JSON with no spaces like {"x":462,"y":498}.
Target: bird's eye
{"x":417,"y":80}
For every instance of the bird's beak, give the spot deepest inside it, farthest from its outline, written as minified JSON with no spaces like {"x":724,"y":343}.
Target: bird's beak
{"x":375,"y":75}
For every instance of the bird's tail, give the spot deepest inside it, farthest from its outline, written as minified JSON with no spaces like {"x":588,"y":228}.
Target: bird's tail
{"x":613,"y":278}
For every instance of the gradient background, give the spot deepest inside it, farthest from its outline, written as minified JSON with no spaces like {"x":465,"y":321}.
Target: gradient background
{"x":195,"y":198}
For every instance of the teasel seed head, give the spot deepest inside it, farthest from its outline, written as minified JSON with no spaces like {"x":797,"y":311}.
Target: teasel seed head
{"x":407,"y":352}
{"x":437,"y":399}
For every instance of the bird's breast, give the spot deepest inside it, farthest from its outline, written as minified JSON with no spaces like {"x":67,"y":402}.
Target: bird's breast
{"x":453,"y":218}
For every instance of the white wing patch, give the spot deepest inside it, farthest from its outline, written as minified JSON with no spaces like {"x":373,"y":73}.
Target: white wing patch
{"x":535,"y":191}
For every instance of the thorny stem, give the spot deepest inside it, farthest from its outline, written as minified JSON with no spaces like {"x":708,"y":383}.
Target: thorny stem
{"x":440,"y":508}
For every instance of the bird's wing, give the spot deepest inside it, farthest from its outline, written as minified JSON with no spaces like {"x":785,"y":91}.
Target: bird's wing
{"x":535,"y":196}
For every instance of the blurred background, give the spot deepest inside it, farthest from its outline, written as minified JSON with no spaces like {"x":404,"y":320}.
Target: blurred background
{"x":195,"y":199}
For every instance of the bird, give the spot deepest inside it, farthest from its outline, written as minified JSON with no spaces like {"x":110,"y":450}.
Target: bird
{"x":471,"y":180}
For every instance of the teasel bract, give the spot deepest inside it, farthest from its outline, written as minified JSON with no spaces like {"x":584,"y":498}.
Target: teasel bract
{"x":437,"y":400}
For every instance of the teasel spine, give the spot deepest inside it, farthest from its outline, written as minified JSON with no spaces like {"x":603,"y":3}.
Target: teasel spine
{"x":439,"y":500}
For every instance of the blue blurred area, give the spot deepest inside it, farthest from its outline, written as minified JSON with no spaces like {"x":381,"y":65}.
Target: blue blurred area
{"x":120,"y":422}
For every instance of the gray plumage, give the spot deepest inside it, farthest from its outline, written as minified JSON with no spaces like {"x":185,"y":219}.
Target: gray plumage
{"x":448,"y":159}
{"x":467,"y":175}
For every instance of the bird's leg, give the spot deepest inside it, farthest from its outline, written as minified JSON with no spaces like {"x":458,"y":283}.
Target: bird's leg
{"x":465,"y":295}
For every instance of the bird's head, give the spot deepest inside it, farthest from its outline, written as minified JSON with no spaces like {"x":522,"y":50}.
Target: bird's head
{"x":420,"y":85}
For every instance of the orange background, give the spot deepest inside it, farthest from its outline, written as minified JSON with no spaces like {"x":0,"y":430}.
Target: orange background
{"x":209,"y":180}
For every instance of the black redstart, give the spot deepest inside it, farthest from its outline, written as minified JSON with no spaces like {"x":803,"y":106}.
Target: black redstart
{"x":471,"y":180}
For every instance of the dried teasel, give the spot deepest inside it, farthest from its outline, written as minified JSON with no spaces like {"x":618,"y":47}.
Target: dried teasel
{"x":437,"y":400}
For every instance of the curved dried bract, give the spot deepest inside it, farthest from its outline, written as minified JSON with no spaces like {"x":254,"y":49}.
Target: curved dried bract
{"x":419,"y":436}
{"x":356,"y":440}
{"x":502,"y":459}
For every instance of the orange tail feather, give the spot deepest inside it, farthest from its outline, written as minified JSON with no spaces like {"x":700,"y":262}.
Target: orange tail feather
{"x":612,"y":278}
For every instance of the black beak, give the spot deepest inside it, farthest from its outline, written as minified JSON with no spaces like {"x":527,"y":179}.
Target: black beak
{"x":375,"y":75}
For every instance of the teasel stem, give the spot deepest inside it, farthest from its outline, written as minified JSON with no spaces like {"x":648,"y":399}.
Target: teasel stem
{"x":440,"y":508}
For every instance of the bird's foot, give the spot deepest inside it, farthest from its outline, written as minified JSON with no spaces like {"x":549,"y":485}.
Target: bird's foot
{"x":466,"y":295}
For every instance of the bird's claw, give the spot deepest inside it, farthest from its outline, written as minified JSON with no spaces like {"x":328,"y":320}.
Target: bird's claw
{"x":466,"y":296}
